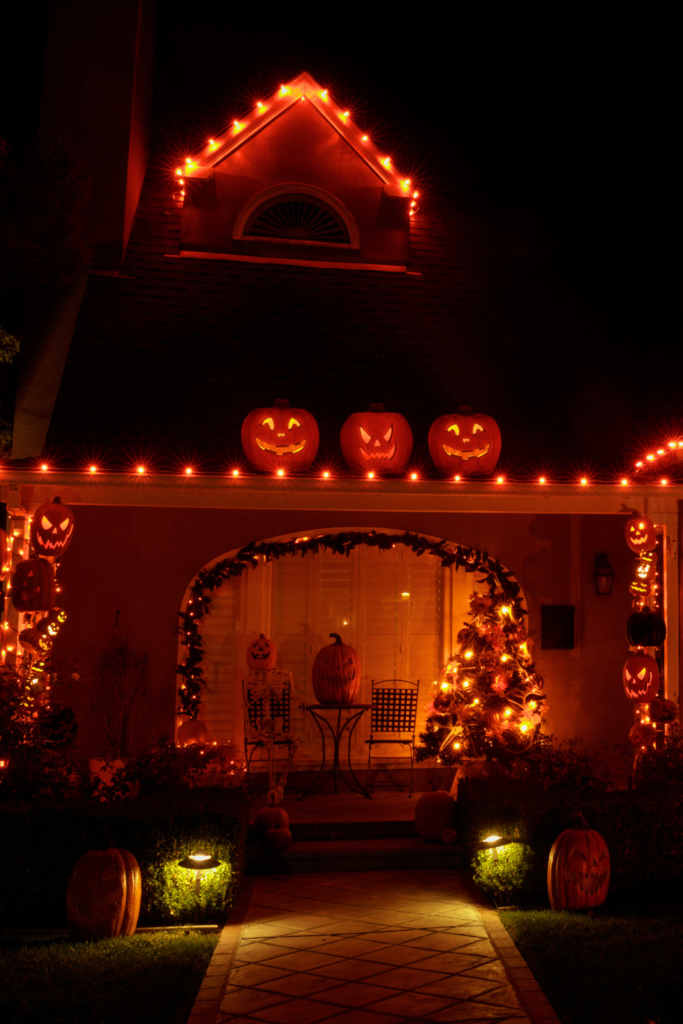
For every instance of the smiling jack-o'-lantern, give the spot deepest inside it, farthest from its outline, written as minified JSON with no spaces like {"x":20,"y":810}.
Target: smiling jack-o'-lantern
{"x":646,"y":565}
{"x":578,"y":869}
{"x":377,"y":441}
{"x":33,"y":585}
{"x":641,"y":677}
{"x":280,"y":438}
{"x":261,"y":653}
{"x":336,"y":673}
{"x":640,"y":534}
{"x":464,"y":443}
{"x":52,"y":529}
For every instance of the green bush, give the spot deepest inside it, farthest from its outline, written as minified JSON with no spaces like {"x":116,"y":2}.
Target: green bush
{"x":642,"y":829}
{"x":42,"y":842}
{"x":505,"y":871}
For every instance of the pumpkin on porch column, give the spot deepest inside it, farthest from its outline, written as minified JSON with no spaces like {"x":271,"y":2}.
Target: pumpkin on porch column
{"x":33,"y":585}
{"x":663,"y":711}
{"x":640,"y":534}
{"x":280,"y":438}
{"x":465,"y":443}
{"x":641,"y":677}
{"x":261,"y":653}
{"x":103,"y":895}
{"x":52,"y":529}
{"x":336,"y":673}
{"x":578,"y":869}
{"x":646,"y":628}
{"x":377,"y":441}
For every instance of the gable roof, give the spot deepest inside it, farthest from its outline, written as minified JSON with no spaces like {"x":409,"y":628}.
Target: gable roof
{"x":304,"y":88}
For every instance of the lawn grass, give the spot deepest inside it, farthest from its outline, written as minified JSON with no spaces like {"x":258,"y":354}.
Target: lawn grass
{"x":624,"y":963}
{"x":142,"y":979}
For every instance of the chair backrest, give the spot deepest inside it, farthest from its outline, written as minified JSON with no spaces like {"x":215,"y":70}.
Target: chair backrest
{"x":258,"y":708}
{"x":394,"y":706}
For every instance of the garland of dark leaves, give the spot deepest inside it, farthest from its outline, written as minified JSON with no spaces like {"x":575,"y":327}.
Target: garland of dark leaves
{"x":209,"y":580}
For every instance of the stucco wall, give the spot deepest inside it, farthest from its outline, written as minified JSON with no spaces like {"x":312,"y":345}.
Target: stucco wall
{"x":139,"y":561}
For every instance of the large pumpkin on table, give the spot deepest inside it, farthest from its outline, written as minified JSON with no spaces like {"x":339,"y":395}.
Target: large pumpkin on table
{"x":377,"y":441}
{"x":52,"y":529}
{"x":280,"y":438}
{"x":464,"y":443}
{"x":578,"y":869}
{"x":336,"y":673}
{"x":261,"y":654}
{"x":103,"y":895}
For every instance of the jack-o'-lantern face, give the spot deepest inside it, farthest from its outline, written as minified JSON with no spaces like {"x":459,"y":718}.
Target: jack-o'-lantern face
{"x":261,"y":653}
{"x":377,"y":441}
{"x":663,"y":711}
{"x":640,"y":534}
{"x":646,"y":564}
{"x":280,"y":437}
{"x":587,"y":870}
{"x":465,"y":443}
{"x":640,"y":588}
{"x":33,"y":585}
{"x":641,"y":677}
{"x":52,"y":529}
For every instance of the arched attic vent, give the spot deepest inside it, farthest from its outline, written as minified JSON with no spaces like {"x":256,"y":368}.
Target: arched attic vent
{"x":297,"y":214}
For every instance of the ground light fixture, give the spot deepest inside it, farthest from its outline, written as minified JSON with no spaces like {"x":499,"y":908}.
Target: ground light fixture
{"x":198,"y":862}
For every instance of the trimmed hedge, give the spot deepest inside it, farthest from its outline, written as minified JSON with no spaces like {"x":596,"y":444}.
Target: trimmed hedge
{"x":42,"y":842}
{"x":643,"y":829}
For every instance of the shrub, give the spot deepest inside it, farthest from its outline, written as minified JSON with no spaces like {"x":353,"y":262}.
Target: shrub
{"x":505,"y":871}
{"x":42,"y":842}
{"x":566,"y":764}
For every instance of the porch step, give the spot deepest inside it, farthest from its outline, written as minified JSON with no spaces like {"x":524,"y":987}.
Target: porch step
{"x":336,"y":831}
{"x":354,"y":855}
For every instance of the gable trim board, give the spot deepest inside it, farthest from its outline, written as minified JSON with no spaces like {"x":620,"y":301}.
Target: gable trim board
{"x":321,"y":264}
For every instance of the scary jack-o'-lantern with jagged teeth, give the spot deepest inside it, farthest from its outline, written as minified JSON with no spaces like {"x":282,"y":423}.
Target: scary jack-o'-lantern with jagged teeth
{"x":33,"y":585}
{"x":377,"y":441}
{"x":465,"y":443}
{"x":52,"y":529}
{"x":280,"y":437}
{"x":641,"y":678}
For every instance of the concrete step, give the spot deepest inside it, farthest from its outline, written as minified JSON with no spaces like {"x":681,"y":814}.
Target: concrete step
{"x":354,"y":855}
{"x":320,"y":831}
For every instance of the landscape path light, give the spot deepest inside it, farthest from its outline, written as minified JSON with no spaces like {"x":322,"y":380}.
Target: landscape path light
{"x":198,"y":862}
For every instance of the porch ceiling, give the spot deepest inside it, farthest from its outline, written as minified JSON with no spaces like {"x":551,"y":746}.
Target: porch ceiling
{"x":27,"y":489}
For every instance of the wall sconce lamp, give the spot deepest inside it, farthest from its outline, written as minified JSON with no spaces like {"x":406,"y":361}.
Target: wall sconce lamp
{"x":603,"y":576}
{"x":198,"y":862}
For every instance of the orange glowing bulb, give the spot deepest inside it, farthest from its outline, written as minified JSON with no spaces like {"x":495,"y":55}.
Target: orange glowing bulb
{"x":664,"y":481}
{"x":386,"y":161}
{"x":541,"y":479}
{"x":235,"y":472}
{"x":141,"y":469}
{"x":364,"y":138}
{"x":326,"y":474}
{"x":179,"y":170}
{"x":672,"y":444}
{"x":259,"y":105}
{"x":280,"y":472}
{"x":93,"y":469}
{"x":413,"y":476}
{"x":345,"y":114}
{"x":188,"y":471}
{"x":624,"y":481}
{"x":415,"y":195}
{"x":650,"y":458}
{"x":371,"y":475}
{"x":44,"y":467}
{"x":500,"y":480}
{"x":212,"y":142}
{"x":457,"y":478}
{"x":324,"y":94}
{"x":584,"y":481}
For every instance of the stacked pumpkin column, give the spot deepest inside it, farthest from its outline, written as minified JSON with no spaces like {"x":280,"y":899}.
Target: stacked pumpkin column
{"x":643,"y":675}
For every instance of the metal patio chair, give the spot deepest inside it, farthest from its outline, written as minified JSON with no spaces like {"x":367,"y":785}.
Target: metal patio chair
{"x":392,"y":720}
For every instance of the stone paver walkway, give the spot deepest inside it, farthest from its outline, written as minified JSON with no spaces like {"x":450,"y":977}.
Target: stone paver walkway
{"x":374,"y":947}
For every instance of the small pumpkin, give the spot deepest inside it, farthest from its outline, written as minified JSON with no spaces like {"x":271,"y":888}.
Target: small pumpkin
{"x":434,"y":815}
{"x":663,"y":711}
{"x":269,"y":818}
{"x":193,"y":731}
{"x":103,"y":895}
{"x":464,"y":443}
{"x":646,"y":628}
{"x":578,"y":869}
{"x":642,"y":734}
{"x":640,"y":588}
{"x":336,"y":673}
{"x":261,"y":653}
{"x":277,"y":839}
{"x":640,"y":534}
{"x":640,"y":677}
{"x":377,"y":440}
{"x":33,"y":585}
{"x":280,"y":438}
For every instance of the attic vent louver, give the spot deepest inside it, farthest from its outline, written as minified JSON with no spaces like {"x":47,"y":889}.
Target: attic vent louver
{"x":297,"y":219}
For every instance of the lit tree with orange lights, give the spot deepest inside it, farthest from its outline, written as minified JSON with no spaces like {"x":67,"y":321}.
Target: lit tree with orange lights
{"x":489,"y":701}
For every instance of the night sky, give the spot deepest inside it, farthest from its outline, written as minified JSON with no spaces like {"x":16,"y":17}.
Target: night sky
{"x":557,"y":129}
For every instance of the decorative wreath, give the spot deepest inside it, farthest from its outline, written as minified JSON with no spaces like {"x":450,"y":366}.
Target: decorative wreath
{"x":209,"y":580}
